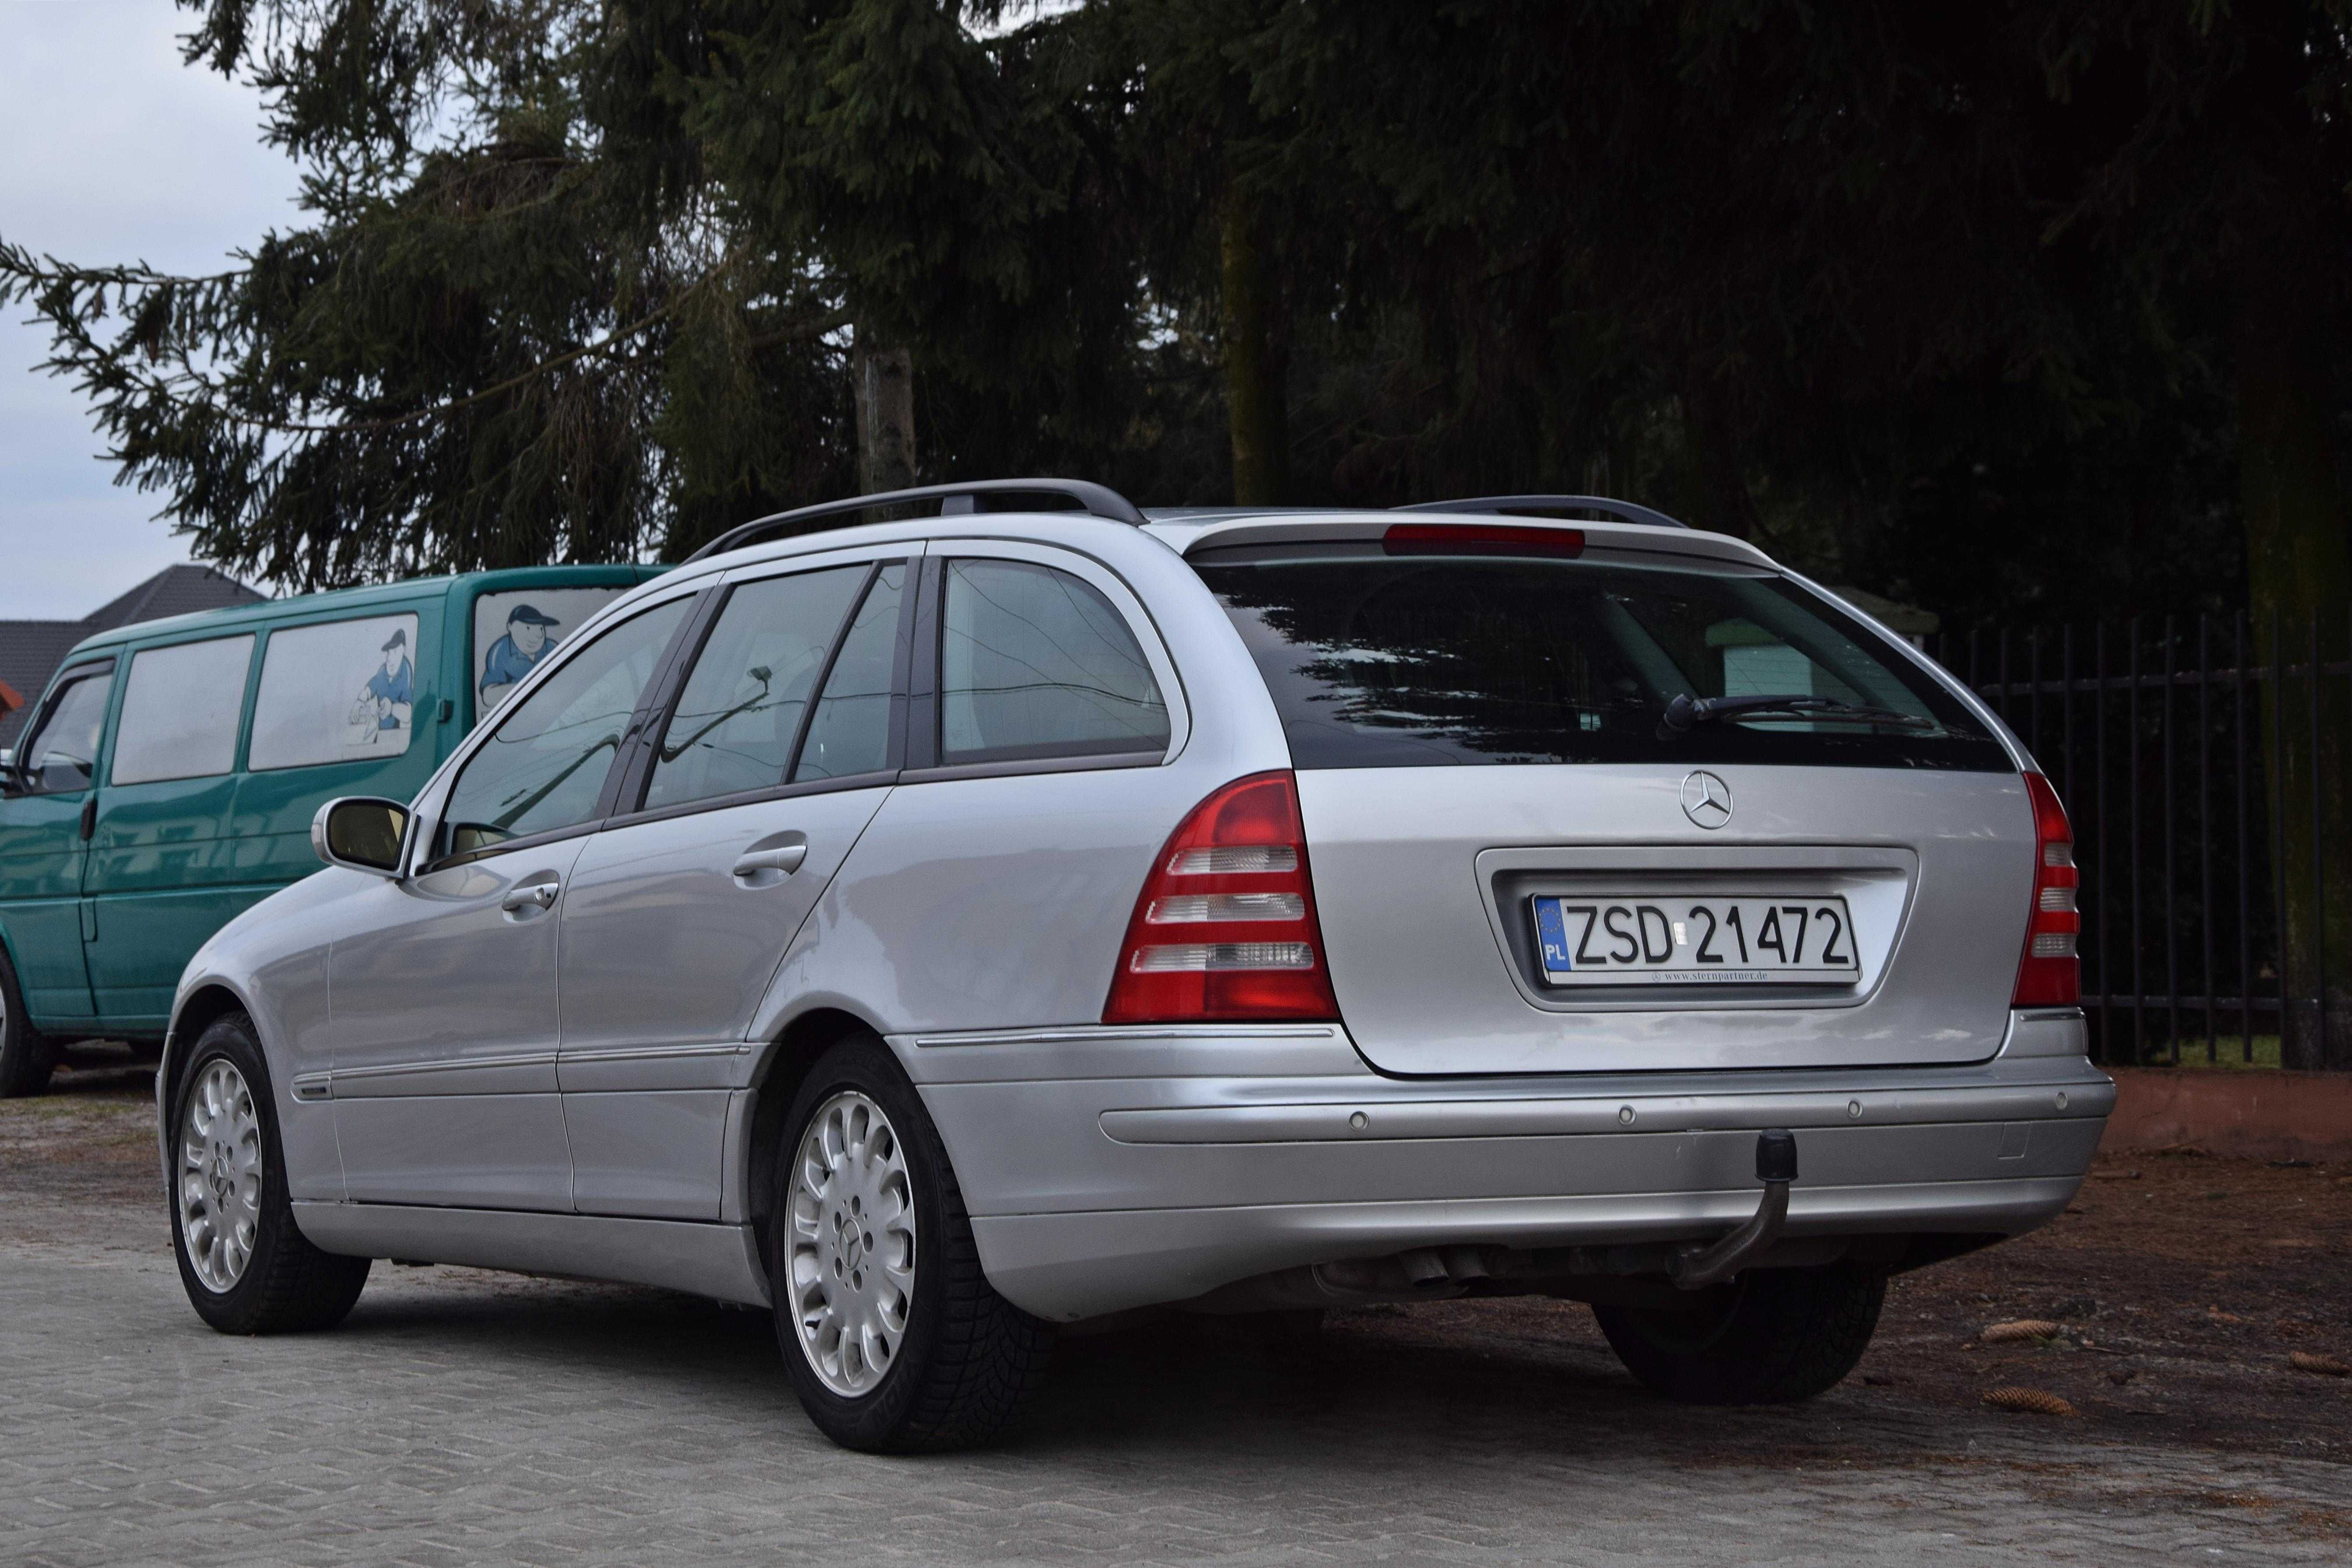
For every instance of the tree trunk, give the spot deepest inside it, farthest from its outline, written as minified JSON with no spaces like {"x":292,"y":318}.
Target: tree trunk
{"x":886,"y":415}
{"x":1254,"y":361}
{"x":2299,"y":577}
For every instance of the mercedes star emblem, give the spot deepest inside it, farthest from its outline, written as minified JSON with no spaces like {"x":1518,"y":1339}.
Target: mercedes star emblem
{"x":1706,"y":799}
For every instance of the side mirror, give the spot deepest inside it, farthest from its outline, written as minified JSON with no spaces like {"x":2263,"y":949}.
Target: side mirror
{"x":361,"y":833}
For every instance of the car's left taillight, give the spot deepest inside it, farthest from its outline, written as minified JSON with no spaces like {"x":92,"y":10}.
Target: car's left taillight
{"x":2050,"y":974}
{"x":1225,"y":929}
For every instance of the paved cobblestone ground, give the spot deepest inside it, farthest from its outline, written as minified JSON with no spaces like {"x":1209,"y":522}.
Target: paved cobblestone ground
{"x":463,"y":1418}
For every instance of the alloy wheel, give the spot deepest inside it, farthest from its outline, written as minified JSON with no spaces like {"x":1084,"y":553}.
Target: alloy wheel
{"x":220,"y":1176}
{"x":851,"y":1261}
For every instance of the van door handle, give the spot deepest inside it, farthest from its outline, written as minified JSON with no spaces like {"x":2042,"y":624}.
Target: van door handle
{"x":785,"y":858}
{"x":90,"y":817}
{"x":536,"y":896}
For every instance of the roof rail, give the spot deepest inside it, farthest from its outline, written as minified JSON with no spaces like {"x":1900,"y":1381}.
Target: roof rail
{"x":1624,"y":511}
{"x":1099,"y":499}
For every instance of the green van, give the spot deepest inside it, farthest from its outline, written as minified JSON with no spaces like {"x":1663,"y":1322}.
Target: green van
{"x":167,"y":778}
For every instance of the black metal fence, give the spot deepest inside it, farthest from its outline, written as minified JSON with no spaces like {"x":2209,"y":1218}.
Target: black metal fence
{"x":2154,"y":735}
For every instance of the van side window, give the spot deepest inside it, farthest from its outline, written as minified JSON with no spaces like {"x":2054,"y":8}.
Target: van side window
{"x":514,"y":630}
{"x":543,"y":767}
{"x":740,"y":711}
{"x":1034,"y":663}
{"x":60,"y":755}
{"x":340,"y":693}
{"x":179,"y":709}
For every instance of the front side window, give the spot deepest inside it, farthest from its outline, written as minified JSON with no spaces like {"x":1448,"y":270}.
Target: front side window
{"x":340,"y":693}
{"x":1035,"y":664}
{"x":543,"y":767}
{"x":60,"y":755}
{"x":1419,"y":660}
{"x":739,"y":710}
{"x":179,"y":709}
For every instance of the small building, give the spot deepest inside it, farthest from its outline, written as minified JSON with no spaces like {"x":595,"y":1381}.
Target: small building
{"x":30,"y":651}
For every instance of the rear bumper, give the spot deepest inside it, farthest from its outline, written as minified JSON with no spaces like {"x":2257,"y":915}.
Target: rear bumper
{"x":1107,"y":1169}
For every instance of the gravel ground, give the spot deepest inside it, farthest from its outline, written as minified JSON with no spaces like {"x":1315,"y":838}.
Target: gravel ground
{"x":464,"y":1417}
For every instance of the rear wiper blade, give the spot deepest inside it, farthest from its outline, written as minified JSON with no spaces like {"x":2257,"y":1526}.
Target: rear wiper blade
{"x":1686,"y":711}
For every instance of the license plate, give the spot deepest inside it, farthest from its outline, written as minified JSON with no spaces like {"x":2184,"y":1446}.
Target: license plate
{"x":1627,"y":939}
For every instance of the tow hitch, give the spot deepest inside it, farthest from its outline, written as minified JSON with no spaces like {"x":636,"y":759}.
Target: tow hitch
{"x":1697,"y":1267}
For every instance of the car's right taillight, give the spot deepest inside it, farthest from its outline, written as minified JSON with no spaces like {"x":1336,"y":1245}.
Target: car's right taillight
{"x":2050,"y":974}
{"x":1225,"y":927}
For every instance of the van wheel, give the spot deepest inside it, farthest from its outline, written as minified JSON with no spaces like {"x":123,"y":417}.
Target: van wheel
{"x":27,"y":1056}
{"x":1772,"y":1336}
{"x":895,"y":1341}
{"x":246,"y":1267}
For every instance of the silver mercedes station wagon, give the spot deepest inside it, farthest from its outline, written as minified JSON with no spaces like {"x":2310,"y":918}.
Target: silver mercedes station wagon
{"x":1041,"y":911}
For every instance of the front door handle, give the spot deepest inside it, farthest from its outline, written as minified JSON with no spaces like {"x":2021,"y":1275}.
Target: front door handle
{"x":535,"y":896}
{"x":90,"y":817}
{"x":784,"y":858}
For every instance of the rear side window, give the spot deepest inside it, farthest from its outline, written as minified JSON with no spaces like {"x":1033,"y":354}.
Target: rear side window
{"x":1418,"y":660}
{"x":61,"y":755}
{"x":1035,"y":664}
{"x":740,"y":709}
{"x":341,"y":693}
{"x":543,"y":768}
{"x":179,"y":709}
{"x":850,"y":732}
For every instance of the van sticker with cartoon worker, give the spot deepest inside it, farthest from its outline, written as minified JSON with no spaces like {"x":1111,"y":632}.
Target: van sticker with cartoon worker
{"x":514,"y":631}
{"x":387,"y":702}
{"x":336,"y":692}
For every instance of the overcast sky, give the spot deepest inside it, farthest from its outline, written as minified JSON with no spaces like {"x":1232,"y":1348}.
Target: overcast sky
{"x":110,"y":150}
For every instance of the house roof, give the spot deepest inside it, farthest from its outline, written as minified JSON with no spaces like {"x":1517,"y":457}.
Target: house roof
{"x":30,"y":651}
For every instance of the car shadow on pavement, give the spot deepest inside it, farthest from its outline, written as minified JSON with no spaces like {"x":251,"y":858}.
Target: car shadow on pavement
{"x":1386,"y":1382}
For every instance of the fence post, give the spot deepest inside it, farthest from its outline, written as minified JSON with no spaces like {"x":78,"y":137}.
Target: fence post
{"x":2205,"y":823}
{"x":2278,"y":821}
{"x":2139,"y":946}
{"x":2099,"y":863}
{"x":2319,"y":859}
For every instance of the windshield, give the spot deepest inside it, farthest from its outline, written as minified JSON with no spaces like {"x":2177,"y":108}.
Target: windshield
{"x":1377,"y":661}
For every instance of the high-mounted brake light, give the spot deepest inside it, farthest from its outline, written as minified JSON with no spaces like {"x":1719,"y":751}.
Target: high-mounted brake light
{"x":1480,"y":539}
{"x":1225,"y":927}
{"x":2050,"y":974}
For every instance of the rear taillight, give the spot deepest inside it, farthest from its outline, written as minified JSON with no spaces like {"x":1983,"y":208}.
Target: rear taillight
{"x":1225,"y":925}
{"x":2050,"y":974}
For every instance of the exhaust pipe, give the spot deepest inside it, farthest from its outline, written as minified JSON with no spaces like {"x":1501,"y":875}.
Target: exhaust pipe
{"x":1695,"y":1268}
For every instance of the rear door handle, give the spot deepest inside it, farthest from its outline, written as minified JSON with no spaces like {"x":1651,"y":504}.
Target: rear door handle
{"x":536,"y":896}
{"x":783,"y":857}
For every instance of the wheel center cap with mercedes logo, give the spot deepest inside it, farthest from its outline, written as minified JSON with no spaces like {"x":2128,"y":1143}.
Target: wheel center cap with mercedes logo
{"x":1706,"y":799}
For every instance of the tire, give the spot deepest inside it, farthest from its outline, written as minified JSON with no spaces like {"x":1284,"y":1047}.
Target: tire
{"x":27,"y":1056}
{"x":894,"y":1339}
{"x":228,"y":1190}
{"x":1775,"y":1336}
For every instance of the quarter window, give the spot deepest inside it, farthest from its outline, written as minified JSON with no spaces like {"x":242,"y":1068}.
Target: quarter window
{"x":340,"y":693}
{"x":179,"y":709}
{"x":543,"y":767}
{"x":1035,"y":664}
{"x":739,"y":710}
{"x":61,"y":755}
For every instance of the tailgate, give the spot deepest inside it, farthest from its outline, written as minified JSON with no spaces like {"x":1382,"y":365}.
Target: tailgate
{"x":1428,"y":879}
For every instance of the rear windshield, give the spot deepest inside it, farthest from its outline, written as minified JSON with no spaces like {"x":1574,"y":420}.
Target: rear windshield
{"x":1380,"y":661}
